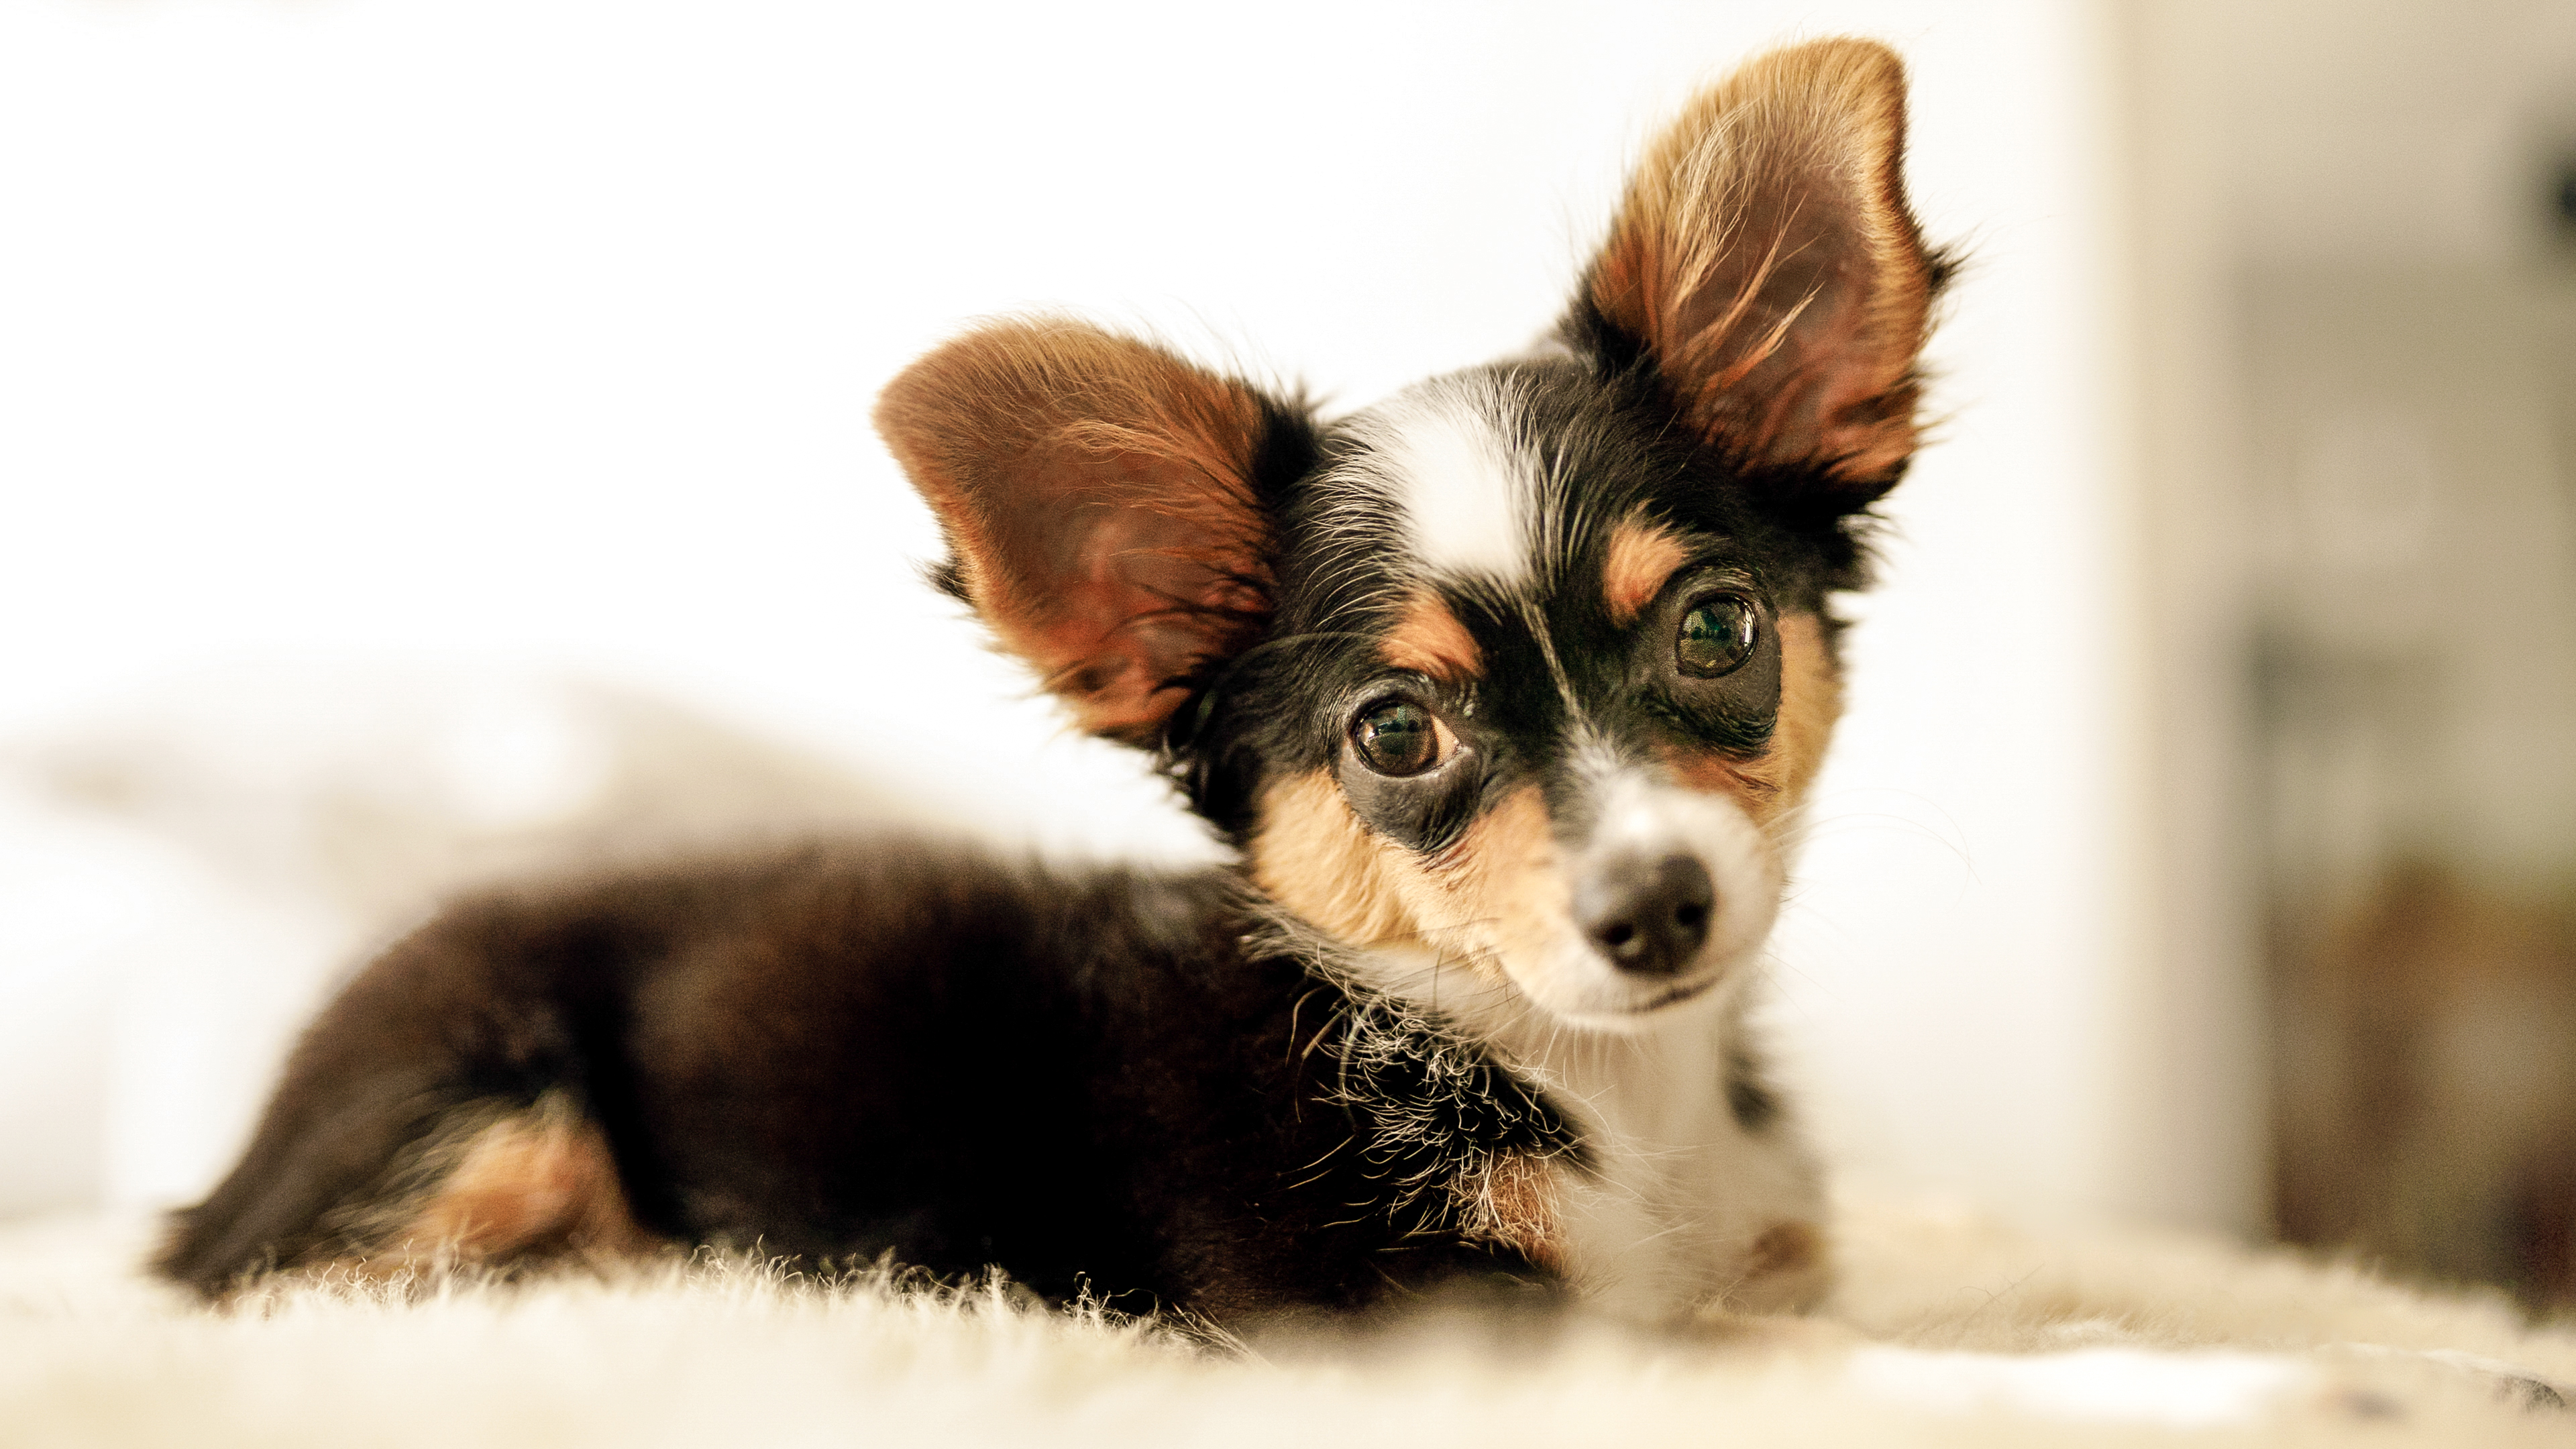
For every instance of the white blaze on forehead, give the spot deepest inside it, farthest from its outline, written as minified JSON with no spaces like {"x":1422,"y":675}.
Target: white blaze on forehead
{"x":1451,"y":457}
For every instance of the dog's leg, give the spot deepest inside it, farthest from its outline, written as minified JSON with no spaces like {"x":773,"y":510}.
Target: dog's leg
{"x":433,"y":1110}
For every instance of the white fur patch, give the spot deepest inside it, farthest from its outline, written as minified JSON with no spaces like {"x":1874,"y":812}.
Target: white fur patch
{"x":1450,"y":457}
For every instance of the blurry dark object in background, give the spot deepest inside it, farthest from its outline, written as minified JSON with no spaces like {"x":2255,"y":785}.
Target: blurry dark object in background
{"x":2427,"y":1082}
{"x":2563,"y":198}
{"x":2412,"y":434}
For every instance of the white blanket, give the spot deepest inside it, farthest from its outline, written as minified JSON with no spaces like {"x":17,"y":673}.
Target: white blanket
{"x":1948,"y":1330}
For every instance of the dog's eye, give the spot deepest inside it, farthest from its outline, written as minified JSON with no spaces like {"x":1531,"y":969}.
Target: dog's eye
{"x":1717,"y":636}
{"x":1399,"y":737}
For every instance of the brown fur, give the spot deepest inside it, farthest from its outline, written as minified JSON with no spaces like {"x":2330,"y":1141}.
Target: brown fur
{"x":1785,"y":1268}
{"x":1312,"y":856}
{"x":1785,"y":1248}
{"x":1515,"y":1203}
{"x":1096,"y":497}
{"x":1428,"y":639}
{"x":535,"y":1182}
{"x":1642,"y":558}
{"x":1765,"y":255}
{"x":1499,"y":888}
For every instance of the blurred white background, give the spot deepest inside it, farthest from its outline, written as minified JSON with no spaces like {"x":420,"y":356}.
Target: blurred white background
{"x":367,"y":368}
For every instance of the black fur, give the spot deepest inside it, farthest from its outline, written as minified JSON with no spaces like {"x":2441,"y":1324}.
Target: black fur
{"x":1016,"y":1092}
{"x":1748,"y":1095}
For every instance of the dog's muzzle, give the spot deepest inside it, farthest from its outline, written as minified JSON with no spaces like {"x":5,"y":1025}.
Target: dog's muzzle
{"x":1648,"y":916}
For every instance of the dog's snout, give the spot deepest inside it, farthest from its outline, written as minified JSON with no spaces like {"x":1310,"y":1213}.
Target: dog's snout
{"x":1647,"y":916}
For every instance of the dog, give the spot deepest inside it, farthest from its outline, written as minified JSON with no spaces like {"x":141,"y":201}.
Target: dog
{"x":1504,"y":692}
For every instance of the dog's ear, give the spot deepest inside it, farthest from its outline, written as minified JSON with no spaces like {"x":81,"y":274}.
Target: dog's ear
{"x":1099,"y":500}
{"x":1766,"y":265}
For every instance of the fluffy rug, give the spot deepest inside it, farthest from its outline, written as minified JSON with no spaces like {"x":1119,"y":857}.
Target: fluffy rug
{"x":1948,"y":1330}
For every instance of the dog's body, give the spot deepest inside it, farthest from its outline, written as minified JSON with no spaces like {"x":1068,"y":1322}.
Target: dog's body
{"x":1505,"y":690}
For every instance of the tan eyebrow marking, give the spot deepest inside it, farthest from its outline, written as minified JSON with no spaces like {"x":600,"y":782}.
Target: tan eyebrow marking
{"x":1642,"y":557}
{"x":1428,"y":639}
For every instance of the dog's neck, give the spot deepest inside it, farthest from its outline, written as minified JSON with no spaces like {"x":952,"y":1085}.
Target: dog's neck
{"x":1651,"y":1098}
{"x":1655,"y":1082}
{"x":1684,"y":1190}
{"x":1655,"y":1079}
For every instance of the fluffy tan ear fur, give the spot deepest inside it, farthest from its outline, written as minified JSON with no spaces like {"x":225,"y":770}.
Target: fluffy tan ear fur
{"x":1765,"y":258}
{"x":1096,"y":492}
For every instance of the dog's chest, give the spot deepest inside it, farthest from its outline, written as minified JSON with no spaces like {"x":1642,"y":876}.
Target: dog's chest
{"x":1687,"y":1206}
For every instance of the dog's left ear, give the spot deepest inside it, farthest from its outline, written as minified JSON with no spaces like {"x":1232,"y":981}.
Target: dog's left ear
{"x":1099,"y":499}
{"x":1766,"y":266}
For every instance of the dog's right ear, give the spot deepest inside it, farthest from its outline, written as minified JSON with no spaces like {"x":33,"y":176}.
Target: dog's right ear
{"x":1100,"y":500}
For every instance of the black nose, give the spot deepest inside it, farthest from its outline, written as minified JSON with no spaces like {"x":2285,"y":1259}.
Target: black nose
{"x":1647,"y":916}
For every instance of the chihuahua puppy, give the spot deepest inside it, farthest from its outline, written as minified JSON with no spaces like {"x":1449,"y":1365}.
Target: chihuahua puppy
{"x":1504,"y":692}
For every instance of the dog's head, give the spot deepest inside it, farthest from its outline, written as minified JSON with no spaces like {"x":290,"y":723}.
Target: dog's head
{"x":1520,"y":671}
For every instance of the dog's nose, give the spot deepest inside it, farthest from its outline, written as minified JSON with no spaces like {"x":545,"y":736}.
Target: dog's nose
{"x":1647,"y":916}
